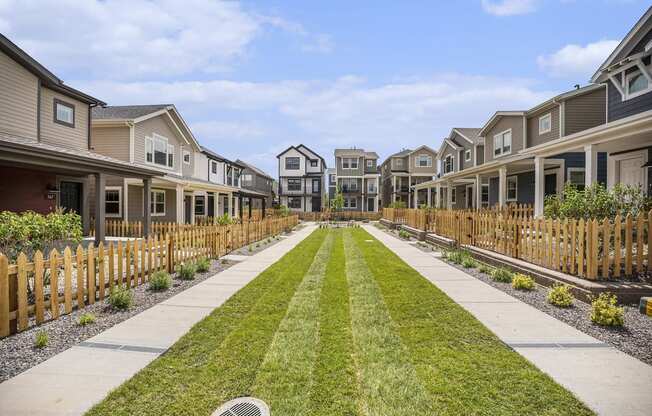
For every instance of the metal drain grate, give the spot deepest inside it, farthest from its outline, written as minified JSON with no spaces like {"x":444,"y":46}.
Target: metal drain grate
{"x":243,"y":406}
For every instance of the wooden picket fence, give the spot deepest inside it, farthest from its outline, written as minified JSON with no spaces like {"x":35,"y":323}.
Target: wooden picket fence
{"x":592,"y":249}
{"x":395,"y":215}
{"x":329,"y":215}
{"x":38,"y":290}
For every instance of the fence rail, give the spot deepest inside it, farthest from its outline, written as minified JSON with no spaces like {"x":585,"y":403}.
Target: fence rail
{"x":592,"y":249}
{"x":37,"y":290}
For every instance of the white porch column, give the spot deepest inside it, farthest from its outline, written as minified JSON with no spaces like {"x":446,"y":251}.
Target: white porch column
{"x":590,"y":164}
{"x":539,"y":185}
{"x":429,"y":197}
{"x":180,"y":205}
{"x":216,"y":204}
{"x":192,"y":208}
{"x":125,"y":197}
{"x":502,"y":186}
{"x":416,"y":198}
{"x":438,"y":196}
{"x":236,"y":207}
{"x":394,"y":190}
{"x":449,"y":195}
{"x":478,"y":191}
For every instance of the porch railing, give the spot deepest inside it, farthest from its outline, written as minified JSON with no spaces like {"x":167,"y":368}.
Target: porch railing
{"x":36,"y":290}
{"x":596,"y":249}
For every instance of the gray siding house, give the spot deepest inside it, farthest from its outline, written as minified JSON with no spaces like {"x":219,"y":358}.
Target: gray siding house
{"x":301,"y":179}
{"x":357,"y":177}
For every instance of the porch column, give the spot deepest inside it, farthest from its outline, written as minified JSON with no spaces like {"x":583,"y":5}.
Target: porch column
{"x":192,"y":208}
{"x":502,"y":186}
{"x":590,"y":164}
{"x":416,"y":198}
{"x":449,"y":196}
{"x":539,"y":185}
{"x":429,"y":197}
{"x":478,"y":191}
{"x":438,"y":195}
{"x":100,"y":194}
{"x":249,"y":199}
{"x":180,"y":205}
{"x":240,"y":206}
{"x":216,"y":204}
{"x":264,"y":201}
{"x":147,"y":209}
{"x":394,"y":190}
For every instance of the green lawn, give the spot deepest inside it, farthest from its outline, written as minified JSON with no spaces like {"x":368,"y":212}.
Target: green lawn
{"x":341,"y":326}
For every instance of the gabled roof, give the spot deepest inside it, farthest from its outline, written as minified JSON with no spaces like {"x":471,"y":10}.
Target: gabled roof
{"x":497,"y":116}
{"x":128,"y":112}
{"x":469,"y":133}
{"x":450,"y":143}
{"x":564,"y":96}
{"x":633,"y":37}
{"x":402,"y":153}
{"x":254,"y":168}
{"x":299,"y":149}
{"x":313,"y":152}
{"x":48,"y":79}
{"x":216,"y":156}
{"x":423,"y":146}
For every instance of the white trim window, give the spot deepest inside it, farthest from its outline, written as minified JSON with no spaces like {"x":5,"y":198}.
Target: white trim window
{"x":349,"y":163}
{"x":292,"y":163}
{"x":349,"y":185}
{"x":350,"y":202}
{"x":636,"y":83}
{"x":467,"y":155}
{"x":186,"y":157}
{"x":200,"y":205}
{"x":294,"y":202}
{"x":484,"y":196}
{"x":512,"y":188}
{"x":576,"y":176}
{"x":398,"y":163}
{"x":157,"y":204}
{"x":545,"y":123}
{"x":503,"y":143}
{"x":213,"y":167}
{"x":449,"y":164}
{"x":370,"y":163}
{"x":423,"y":161}
{"x":158,"y":151}
{"x":453,"y":195}
{"x":113,"y":201}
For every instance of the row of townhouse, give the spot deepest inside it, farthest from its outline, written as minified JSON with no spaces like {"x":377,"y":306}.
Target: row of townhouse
{"x":404,"y":170}
{"x":61,"y":148}
{"x":599,"y":133}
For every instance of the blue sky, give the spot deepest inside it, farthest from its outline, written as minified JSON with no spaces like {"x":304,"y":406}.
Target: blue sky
{"x":251,"y":78}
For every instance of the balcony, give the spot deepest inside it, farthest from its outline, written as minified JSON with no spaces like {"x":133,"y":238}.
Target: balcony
{"x":350,"y":189}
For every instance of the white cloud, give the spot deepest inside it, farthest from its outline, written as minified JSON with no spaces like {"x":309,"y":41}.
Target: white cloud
{"x":137,"y":39}
{"x":327,"y":114}
{"x":509,"y":7}
{"x":574,"y":60}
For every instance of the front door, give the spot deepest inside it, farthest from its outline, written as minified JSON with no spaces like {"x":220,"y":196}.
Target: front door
{"x":371,"y":205}
{"x":551,"y":184}
{"x":631,"y":171}
{"x":211,"y":205}
{"x":316,"y":204}
{"x":187,"y":207}
{"x":70,"y":196}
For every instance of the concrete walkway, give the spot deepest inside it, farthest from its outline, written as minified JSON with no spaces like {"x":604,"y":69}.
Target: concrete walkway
{"x":609,"y":381}
{"x":74,"y":380}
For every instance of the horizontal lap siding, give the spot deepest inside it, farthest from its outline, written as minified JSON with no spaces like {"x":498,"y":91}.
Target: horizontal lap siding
{"x":585,"y":111}
{"x":59,"y":135}
{"x":111,"y":141}
{"x":576,"y":160}
{"x":533,"y":136}
{"x":505,"y":123}
{"x":620,"y":109}
{"x":18,"y":99}
{"x":162,"y":126}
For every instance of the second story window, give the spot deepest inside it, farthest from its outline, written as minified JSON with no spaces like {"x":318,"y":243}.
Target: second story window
{"x":349,"y":185}
{"x":292,"y":163}
{"x":467,"y":155}
{"x":247,"y":179}
{"x":214,"y":167}
{"x":398,"y":163}
{"x":503,"y":143}
{"x":636,"y":84}
{"x":294,"y":184}
{"x":158,"y":151}
{"x":545,"y":123}
{"x":186,"y":157}
{"x":314,"y":163}
{"x":370,"y":163}
{"x":349,"y":163}
{"x":236,"y":177}
{"x":64,"y":113}
{"x":448,"y":164}
{"x":424,"y":161}
{"x":331,"y":179}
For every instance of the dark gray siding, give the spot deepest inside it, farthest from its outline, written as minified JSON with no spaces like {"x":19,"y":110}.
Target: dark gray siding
{"x":525,"y":193}
{"x":493,"y":191}
{"x":533,"y":136}
{"x":585,"y":111}
{"x":620,"y":109}
{"x":576,"y":160}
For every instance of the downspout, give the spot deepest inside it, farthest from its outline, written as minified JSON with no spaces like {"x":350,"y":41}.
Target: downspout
{"x":39,"y":85}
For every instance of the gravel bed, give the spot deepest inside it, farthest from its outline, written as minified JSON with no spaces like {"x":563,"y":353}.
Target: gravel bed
{"x":633,"y":338}
{"x":18,"y":353}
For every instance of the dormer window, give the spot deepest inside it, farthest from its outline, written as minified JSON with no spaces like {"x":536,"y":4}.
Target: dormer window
{"x":64,"y":113}
{"x":158,"y":151}
{"x":370,"y":163}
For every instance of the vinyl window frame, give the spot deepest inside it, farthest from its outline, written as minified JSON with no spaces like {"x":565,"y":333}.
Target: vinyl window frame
{"x":150,"y":142}
{"x":542,"y":119}
{"x":570,"y":171}
{"x":627,"y":77}
{"x":511,"y":180}
{"x":55,"y":107}
{"x":350,"y":162}
{"x":288,"y":166}
{"x":154,"y":202}
{"x":201,"y":198}
{"x":467,"y":155}
{"x":119,"y":202}
{"x":185,"y":153}
{"x":419,"y":158}
{"x":499,"y":138}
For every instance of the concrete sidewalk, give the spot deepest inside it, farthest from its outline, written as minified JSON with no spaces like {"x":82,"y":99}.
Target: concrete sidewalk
{"x":609,"y":381}
{"x":71,"y":382}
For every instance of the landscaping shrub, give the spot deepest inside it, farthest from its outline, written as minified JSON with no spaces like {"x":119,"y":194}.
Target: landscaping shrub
{"x":121,"y":298}
{"x":203,"y":265}
{"x":283,"y":211}
{"x":485,"y":269}
{"x":404,"y":234}
{"x":605,"y":311}
{"x":397,"y":204}
{"x":29,"y":231}
{"x":86,"y":319}
{"x":461,"y":257}
{"x":522,"y":282}
{"x":160,"y":280}
{"x":502,"y":275}
{"x":224,"y":220}
{"x":596,"y":201}
{"x":469,"y":262}
{"x":186,"y":271}
{"x":561,"y":296}
{"x":41,"y":339}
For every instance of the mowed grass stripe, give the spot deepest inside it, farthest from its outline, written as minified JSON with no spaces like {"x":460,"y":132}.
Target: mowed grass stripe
{"x":335,"y":388}
{"x":466,"y":368}
{"x":219,"y":357}
{"x":286,"y":373}
{"x":388,"y":382}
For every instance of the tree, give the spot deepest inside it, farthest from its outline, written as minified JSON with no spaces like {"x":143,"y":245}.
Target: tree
{"x":337,"y":203}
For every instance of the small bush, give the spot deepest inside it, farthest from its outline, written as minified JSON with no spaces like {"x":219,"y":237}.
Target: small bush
{"x":502,"y":275}
{"x":203,"y":265}
{"x":186,"y":271}
{"x":485,"y":269}
{"x":561,"y":296}
{"x":605,"y":311}
{"x":404,"y":234}
{"x":469,"y":262}
{"x":121,"y":298}
{"x":41,"y":339}
{"x":160,"y":281}
{"x":250,"y":248}
{"x":461,"y":257}
{"x":86,"y":319}
{"x":522,"y":282}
